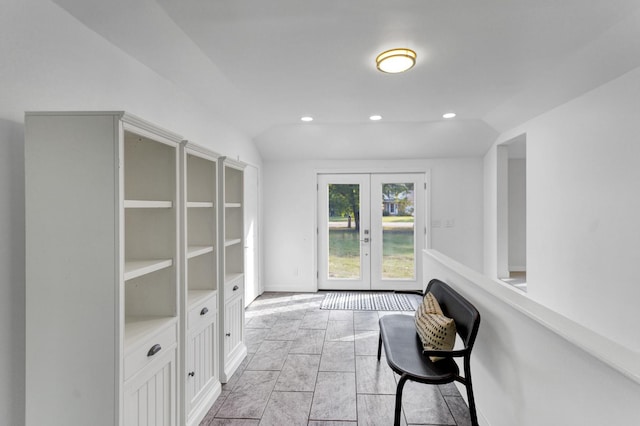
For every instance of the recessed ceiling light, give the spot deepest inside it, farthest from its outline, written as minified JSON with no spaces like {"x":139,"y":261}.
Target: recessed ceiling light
{"x":449,"y":115}
{"x":396,"y":60}
{"x":375,"y":117}
{"x":306,"y":118}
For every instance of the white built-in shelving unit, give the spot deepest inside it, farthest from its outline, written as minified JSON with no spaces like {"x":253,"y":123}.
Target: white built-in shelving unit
{"x":102,"y":270}
{"x":231,"y":301}
{"x":201,"y":383}
{"x":149,"y":176}
{"x":134,"y":272}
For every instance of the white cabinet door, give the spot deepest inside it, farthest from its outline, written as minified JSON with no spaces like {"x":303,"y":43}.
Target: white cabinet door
{"x":253,"y":284}
{"x":201,"y":365}
{"x":233,"y":320}
{"x":149,"y":397}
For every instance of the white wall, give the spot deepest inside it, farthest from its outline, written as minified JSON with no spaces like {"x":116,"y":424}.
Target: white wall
{"x":502,"y":198}
{"x":526,"y":373}
{"x":517,"y":215}
{"x":52,"y":62}
{"x":583,"y":182}
{"x":290,"y":213}
{"x":12,"y":263}
{"x":491,"y":229}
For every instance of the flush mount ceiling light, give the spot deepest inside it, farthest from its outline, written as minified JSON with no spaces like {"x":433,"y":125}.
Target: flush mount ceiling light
{"x":375,"y":117}
{"x":396,"y":60}
{"x":449,"y":115}
{"x":306,"y":118}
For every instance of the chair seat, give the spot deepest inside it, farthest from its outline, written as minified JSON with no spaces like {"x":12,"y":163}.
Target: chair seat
{"x":395,"y":332}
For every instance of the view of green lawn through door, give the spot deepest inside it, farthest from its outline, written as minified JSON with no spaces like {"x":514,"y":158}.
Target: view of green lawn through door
{"x":344,"y":231}
{"x":398,"y":231}
{"x":371,"y":230}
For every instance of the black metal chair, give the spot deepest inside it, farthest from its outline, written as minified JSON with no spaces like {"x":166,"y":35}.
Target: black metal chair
{"x":405,"y":354}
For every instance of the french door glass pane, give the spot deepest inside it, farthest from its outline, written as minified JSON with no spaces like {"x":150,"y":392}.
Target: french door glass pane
{"x":344,"y":231}
{"x":398,"y":231}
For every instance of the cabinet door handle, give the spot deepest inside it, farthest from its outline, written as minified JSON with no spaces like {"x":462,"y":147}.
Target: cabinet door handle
{"x":235,"y":287}
{"x":204,"y":311}
{"x":154,"y":350}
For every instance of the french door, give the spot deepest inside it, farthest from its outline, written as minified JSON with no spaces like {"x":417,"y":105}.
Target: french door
{"x":371,"y":231}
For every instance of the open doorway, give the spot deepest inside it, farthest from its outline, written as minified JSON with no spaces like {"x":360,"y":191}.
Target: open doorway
{"x":512,"y":208}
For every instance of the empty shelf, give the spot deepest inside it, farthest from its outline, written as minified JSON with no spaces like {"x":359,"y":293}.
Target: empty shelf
{"x":193,"y":251}
{"x":136,"y":268}
{"x":199,"y":204}
{"x":145,"y":204}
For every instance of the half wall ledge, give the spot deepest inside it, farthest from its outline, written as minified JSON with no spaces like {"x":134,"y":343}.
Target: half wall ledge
{"x":459,"y":276}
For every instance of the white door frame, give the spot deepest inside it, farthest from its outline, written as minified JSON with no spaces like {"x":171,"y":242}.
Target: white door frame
{"x":422,"y":224}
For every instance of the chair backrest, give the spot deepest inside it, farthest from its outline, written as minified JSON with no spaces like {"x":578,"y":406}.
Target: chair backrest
{"x":455,"y":306}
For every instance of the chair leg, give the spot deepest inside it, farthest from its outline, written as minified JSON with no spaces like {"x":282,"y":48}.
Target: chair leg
{"x":471,"y":400}
{"x":398,"y":411}
{"x":472,"y":404}
{"x":379,"y":345}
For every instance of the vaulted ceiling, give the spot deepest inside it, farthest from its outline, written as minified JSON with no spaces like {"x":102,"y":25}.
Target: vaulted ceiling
{"x":263,"y":64}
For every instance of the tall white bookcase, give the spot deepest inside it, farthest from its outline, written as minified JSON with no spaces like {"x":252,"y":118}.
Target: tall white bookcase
{"x":102,"y":270}
{"x":231,"y":272}
{"x":134,"y":272}
{"x":199,"y":282}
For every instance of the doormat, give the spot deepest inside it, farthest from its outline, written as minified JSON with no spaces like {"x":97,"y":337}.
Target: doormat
{"x":362,"y":301}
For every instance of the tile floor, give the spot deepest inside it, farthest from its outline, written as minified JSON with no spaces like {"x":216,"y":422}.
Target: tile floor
{"x":308,"y":366}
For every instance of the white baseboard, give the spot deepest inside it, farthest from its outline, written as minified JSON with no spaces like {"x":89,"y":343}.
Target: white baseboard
{"x":201,"y":410}
{"x":233,"y":363}
{"x":296,"y":288}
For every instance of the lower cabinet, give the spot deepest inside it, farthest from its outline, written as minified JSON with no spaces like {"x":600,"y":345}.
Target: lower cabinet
{"x":149,"y":396}
{"x":234,"y":348}
{"x":202,"y":384}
